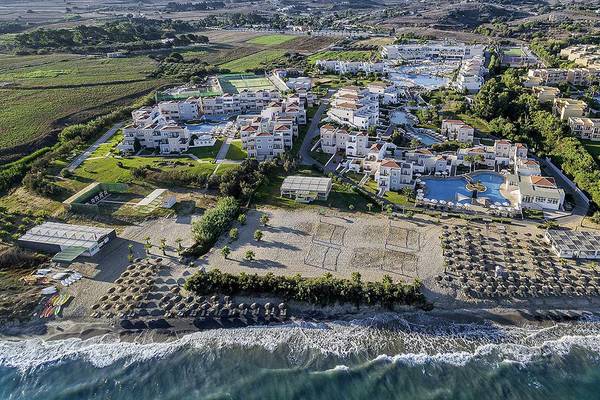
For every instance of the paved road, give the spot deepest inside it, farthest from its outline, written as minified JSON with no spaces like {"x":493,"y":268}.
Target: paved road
{"x":313,"y":131}
{"x":83,"y":156}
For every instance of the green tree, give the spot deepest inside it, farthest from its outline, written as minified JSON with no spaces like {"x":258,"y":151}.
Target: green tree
{"x":264,"y":219}
{"x":258,"y":235}
{"x":225,"y":251}
{"x":147,"y":245}
{"x":249,"y":256}
{"x":242,"y":219}
{"x":234,"y":233}
{"x":163,"y":246}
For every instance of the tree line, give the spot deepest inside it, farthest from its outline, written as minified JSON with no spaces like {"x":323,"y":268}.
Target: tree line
{"x":324,"y":290}
{"x":108,"y":35}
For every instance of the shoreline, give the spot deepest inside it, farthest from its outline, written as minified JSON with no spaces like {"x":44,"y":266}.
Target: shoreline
{"x":161,"y":330}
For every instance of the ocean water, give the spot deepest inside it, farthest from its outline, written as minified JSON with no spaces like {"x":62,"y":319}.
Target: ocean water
{"x":388,"y":357}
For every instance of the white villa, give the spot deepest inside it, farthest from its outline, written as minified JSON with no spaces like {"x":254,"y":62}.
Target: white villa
{"x":239,"y":103}
{"x":565,"y":108}
{"x":585,"y":128}
{"x":355,"y":107}
{"x":584,"y":55}
{"x":352,"y":143}
{"x":535,"y":191}
{"x":545,"y":94}
{"x":457,"y":130}
{"x":388,"y":94}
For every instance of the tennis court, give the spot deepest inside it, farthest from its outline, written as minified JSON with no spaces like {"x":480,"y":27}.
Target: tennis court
{"x":235,"y":83}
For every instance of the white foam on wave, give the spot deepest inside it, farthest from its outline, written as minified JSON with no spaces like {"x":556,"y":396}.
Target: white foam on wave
{"x":417,"y":344}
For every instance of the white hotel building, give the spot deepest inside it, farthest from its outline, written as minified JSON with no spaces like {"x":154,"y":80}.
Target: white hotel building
{"x":355,"y":107}
{"x":271,"y":133}
{"x":431,"y":50}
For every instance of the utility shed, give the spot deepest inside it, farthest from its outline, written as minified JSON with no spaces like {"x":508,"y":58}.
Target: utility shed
{"x":574,"y":244}
{"x":68,"y":241}
{"x":305,"y":189}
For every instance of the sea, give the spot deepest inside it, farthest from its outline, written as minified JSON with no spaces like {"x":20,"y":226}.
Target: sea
{"x":387,"y":356}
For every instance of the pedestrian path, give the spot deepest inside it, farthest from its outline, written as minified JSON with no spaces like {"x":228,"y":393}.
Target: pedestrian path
{"x":102,"y":139}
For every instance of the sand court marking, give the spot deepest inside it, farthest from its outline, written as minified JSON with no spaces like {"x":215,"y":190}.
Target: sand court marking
{"x":402,"y":238}
{"x":386,"y":260}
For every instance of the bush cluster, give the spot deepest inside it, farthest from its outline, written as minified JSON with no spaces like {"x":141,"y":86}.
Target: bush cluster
{"x":213,"y":223}
{"x":324,"y":290}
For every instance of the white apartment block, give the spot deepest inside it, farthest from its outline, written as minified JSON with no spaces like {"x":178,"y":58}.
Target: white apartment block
{"x":457,"y":130}
{"x":240,"y":103}
{"x":471,"y":74}
{"x":565,"y":108}
{"x":351,"y":67}
{"x":388,"y":94}
{"x":584,"y":55}
{"x":352,"y":143}
{"x":271,"y":133}
{"x":527,"y":167}
{"x":354,"y":107}
{"x":557,"y":76}
{"x":585,"y":128}
{"x":545,"y":94}
{"x":186,"y":110}
{"x":394,"y":175}
{"x":518,"y":57}
{"x":431,"y":50}
{"x":535,"y":191}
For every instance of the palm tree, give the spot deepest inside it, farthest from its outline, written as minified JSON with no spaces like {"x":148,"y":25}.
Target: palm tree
{"x":163,"y":246}
{"x":258,"y":235}
{"x":264,"y":219}
{"x":370,"y":207}
{"x":179,"y":246}
{"x":242,"y":219}
{"x":225,"y":251}
{"x":249,"y":255}
{"x":234,"y":233}
{"x":130,"y":255}
{"x":147,"y":245}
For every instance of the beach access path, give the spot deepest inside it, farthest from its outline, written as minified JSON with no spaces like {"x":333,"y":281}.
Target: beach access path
{"x":88,"y":152}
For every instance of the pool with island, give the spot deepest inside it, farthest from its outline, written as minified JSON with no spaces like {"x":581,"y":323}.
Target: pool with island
{"x":459,"y":190}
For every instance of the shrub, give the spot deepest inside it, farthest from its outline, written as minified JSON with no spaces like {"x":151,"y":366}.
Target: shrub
{"x":213,"y":223}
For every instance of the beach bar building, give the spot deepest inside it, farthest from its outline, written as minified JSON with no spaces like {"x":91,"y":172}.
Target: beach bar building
{"x":66,"y":240}
{"x":305,"y":189}
{"x":574,"y":244}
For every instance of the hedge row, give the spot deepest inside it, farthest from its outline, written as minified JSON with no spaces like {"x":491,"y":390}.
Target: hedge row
{"x":324,"y":290}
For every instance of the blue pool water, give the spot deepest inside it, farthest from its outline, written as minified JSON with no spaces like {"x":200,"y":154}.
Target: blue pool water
{"x":430,"y":82}
{"x":424,"y":138}
{"x":447,"y":188}
{"x":206,"y":127}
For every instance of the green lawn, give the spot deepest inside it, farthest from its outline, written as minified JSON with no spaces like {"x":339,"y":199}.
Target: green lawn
{"x":253,"y":61}
{"x":271,"y":40}
{"x":479,"y":124}
{"x":207,"y":153}
{"x":344,"y":55}
{"x":235,"y":151}
{"x":320,"y":156}
{"x":592,"y":147}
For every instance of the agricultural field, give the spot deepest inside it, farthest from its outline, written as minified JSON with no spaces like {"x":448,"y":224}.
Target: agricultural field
{"x":253,"y":61}
{"x":271,"y":40}
{"x":49,"y":91}
{"x":344,"y":55}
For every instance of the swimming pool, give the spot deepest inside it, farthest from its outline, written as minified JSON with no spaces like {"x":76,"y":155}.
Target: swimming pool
{"x":205,"y":127}
{"x":447,"y":188}
{"x":424,"y":138}
{"x":427,"y":81}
